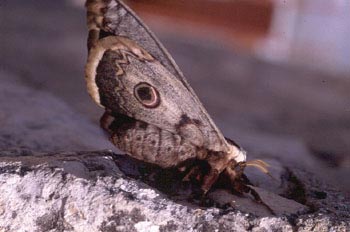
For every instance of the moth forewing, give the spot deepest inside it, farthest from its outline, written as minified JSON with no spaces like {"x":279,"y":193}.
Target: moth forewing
{"x":96,"y":52}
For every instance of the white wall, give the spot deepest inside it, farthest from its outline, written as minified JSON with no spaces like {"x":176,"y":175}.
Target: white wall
{"x":312,"y":33}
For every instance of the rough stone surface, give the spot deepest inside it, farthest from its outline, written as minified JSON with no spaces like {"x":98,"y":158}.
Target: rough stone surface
{"x":86,"y":191}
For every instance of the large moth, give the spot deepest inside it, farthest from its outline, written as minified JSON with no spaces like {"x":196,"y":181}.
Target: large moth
{"x":151,"y":112}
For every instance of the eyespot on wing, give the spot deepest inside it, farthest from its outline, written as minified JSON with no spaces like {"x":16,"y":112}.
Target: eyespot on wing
{"x":147,"y":95}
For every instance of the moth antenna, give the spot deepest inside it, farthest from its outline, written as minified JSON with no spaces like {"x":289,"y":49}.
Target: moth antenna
{"x":259,"y":162}
{"x":261,"y":165}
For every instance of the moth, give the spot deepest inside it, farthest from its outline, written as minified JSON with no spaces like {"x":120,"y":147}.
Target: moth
{"x":151,"y":112}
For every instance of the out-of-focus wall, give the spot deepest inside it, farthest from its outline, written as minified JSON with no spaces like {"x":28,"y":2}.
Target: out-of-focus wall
{"x":308,"y":33}
{"x":241,"y":23}
{"x":311,"y":33}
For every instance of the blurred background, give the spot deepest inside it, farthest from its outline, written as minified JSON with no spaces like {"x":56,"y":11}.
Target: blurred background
{"x":273,"y":74}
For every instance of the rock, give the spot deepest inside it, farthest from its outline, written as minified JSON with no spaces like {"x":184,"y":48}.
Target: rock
{"x":38,"y":121}
{"x":86,"y":191}
{"x":280,"y":205}
{"x":272,"y":204}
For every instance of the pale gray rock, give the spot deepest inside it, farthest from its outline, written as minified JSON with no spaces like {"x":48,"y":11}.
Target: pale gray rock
{"x":86,"y":191}
{"x":278,"y":205}
{"x":38,"y":121}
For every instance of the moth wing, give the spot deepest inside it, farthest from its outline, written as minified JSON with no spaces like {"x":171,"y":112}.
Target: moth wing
{"x":118,"y":19}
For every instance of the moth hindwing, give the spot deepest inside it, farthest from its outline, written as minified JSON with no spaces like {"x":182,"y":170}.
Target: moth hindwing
{"x":151,"y":112}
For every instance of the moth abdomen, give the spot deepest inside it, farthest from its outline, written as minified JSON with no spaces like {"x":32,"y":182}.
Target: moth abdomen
{"x":149,"y":143}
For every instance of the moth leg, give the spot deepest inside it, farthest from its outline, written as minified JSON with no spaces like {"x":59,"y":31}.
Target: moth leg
{"x":209,"y":180}
{"x":194,"y":172}
{"x":240,"y":183}
{"x":216,"y":167}
{"x":105,"y":121}
{"x":237,"y":179}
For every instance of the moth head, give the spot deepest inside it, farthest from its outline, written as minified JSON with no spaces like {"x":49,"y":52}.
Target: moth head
{"x":237,"y":154}
{"x":239,"y":160}
{"x":147,"y":95}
